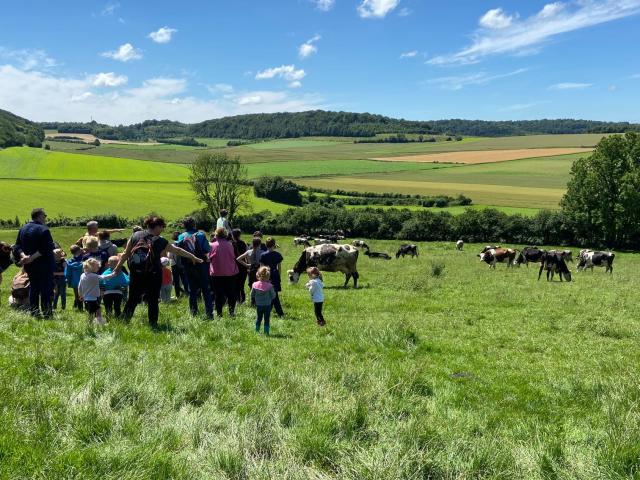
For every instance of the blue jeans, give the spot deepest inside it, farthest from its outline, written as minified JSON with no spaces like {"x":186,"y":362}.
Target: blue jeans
{"x":61,"y":292}
{"x":263,"y":311}
{"x":198,"y":279}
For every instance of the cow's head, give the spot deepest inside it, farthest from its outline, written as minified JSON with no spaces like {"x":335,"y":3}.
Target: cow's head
{"x":294,"y":276}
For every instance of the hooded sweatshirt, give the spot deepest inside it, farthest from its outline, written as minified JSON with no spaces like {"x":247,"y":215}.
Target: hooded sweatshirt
{"x":262,"y":293}
{"x":74,"y":270}
{"x":223,"y":259}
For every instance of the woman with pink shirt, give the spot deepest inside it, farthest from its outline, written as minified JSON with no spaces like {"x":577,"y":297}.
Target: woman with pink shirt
{"x":223,"y":269}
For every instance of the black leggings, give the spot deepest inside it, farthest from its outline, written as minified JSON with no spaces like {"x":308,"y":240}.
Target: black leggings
{"x":147,"y":284}
{"x":317,"y":308}
{"x":225,"y":291}
{"x":112,"y":303}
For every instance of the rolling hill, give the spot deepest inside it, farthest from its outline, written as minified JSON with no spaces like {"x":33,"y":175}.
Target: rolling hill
{"x":16,"y":131}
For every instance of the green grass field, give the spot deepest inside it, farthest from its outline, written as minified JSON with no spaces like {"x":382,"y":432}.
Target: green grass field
{"x":469,"y":374}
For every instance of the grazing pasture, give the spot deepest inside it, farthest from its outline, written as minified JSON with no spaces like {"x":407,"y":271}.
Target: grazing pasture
{"x":436,"y":368}
{"x":486,"y":156}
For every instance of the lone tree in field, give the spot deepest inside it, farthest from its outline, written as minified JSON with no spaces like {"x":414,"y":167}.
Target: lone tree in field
{"x":219,"y":182}
{"x":603,"y":195}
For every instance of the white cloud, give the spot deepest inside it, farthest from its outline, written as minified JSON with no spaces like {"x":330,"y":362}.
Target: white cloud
{"x":109,"y":79}
{"x":324,"y":5}
{"x":522,"y":106}
{"x":28,"y":59}
{"x":42,"y":96}
{"x":124,"y":53}
{"x":495,"y":18}
{"x":162,"y":35}
{"x":309,"y":48}
{"x":569,"y":86}
{"x":376,"y":8}
{"x":460,"y":81}
{"x":404,"y":12}
{"x":287,"y":72}
{"x":525,"y":35}
{"x":220,"y":88}
{"x":410,"y":54}
{"x":110,"y":8}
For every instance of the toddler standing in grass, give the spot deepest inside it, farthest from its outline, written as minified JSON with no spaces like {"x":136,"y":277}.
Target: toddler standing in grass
{"x":114,"y":288}
{"x":316,"y":289}
{"x":59,"y":279}
{"x":74,"y":271}
{"x":167,"y":280}
{"x":89,"y":289}
{"x":262,"y":294}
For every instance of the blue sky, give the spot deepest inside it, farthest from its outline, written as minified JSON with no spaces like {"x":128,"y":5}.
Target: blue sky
{"x":126,"y":61}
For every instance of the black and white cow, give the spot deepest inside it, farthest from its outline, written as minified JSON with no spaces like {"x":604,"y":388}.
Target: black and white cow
{"x":302,"y":240}
{"x":328,"y":258}
{"x":382,"y":255}
{"x":407,"y":249}
{"x":321,"y":241}
{"x":554,"y":262}
{"x":566,"y":254}
{"x":360,"y":244}
{"x":590,"y":259}
{"x":529,"y":254}
{"x":459,"y":245}
{"x":491,"y":256}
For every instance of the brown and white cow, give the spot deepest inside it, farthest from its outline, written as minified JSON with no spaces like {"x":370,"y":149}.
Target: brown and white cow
{"x":491,"y":256}
{"x":328,"y":258}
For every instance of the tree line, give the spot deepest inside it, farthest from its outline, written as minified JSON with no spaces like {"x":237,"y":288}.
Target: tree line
{"x":16,"y":131}
{"x":338,"y":124}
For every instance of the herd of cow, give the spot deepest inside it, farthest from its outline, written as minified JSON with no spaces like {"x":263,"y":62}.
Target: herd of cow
{"x":553,"y":261}
{"x":330,"y":256}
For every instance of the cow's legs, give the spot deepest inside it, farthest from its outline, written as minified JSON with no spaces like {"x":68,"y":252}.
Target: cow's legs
{"x":540,"y":272}
{"x":356,"y":276}
{"x":347,"y":277}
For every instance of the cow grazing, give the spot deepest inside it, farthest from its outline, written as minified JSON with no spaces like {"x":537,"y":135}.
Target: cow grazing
{"x":381,"y":255}
{"x":360,"y":244}
{"x":302,"y":241}
{"x":407,"y":250}
{"x":498,"y":255}
{"x":489,"y":247}
{"x":328,"y":258}
{"x":459,"y":245}
{"x":321,"y":241}
{"x":529,"y":254}
{"x":554,"y":262}
{"x":590,"y":259}
{"x":567,"y":255}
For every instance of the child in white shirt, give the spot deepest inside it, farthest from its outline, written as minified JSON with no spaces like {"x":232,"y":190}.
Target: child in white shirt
{"x":89,"y":289}
{"x":316,"y":289}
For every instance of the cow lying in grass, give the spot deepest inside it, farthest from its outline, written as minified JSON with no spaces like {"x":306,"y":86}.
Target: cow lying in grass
{"x":328,"y":258}
{"x":381,"y":255}
{"x":297,"y":241}
{"x":554,"y":262}
{"x":590,"y":259}
{"x":360,"y":244}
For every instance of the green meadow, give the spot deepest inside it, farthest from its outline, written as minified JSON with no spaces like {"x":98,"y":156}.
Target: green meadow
{"x":436,"y":367}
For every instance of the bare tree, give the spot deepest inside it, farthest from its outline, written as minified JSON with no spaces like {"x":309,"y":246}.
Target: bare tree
{"x":219,"y":182}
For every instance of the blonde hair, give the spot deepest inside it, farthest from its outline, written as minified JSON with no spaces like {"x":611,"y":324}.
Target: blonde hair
{"x":314,"y":272}
{"x":59,"y":254}
{"x":90,"y":265}
{"x":113,"y":261}
{"x":92,"y":242}
{"x":263,"y":273}
{"x":220,"y":232}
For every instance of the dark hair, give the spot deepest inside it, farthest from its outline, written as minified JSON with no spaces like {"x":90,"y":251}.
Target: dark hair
{"x":235,"y":233}
{"x":257,"y":233}
{"x":271,"y":242}
{"x":153,"y":222}
{"x":104,"y":235}
{"x":174,"y":236}
{"x":256,"y":242}
{"x":223,"y":212}
{"x":36,"y":212}
{"x":189,"y":223}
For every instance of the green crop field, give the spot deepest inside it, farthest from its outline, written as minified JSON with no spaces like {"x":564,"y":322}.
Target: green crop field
{"x":470,"y":373}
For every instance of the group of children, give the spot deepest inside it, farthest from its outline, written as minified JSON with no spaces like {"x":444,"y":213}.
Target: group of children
{"x":263,"y":294}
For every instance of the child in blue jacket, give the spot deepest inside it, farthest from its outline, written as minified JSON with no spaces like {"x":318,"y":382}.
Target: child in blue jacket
{"x":73,"y":273}
{"x":113,"y":288}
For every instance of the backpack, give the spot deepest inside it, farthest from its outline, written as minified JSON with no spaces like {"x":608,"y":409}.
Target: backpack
{"x":20,"y":286}
{"x":191,"y":244}
{"x":141,"y":258}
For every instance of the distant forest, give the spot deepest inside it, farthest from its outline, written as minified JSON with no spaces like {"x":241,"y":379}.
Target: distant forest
{"x":16,"y":131}
{"x":337,"y":124}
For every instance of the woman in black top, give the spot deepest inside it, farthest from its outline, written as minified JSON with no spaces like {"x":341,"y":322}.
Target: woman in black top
{"x":144,"y":251}
{"x":239,"y":246}
{"x":272,"y":259}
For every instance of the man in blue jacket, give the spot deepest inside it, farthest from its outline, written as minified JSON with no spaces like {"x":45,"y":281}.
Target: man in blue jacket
{"x":34,"y":250}
{"x":196,"y":242}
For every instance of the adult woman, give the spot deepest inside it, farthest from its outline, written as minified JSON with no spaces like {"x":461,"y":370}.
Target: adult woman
{"x":223,"y":271}
{"x":239,"y":247}
{"x":144,"y":251}
{"x":272,"y":259}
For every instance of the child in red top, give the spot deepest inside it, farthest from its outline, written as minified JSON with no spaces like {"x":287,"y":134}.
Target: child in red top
{"x":167,"y":280}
